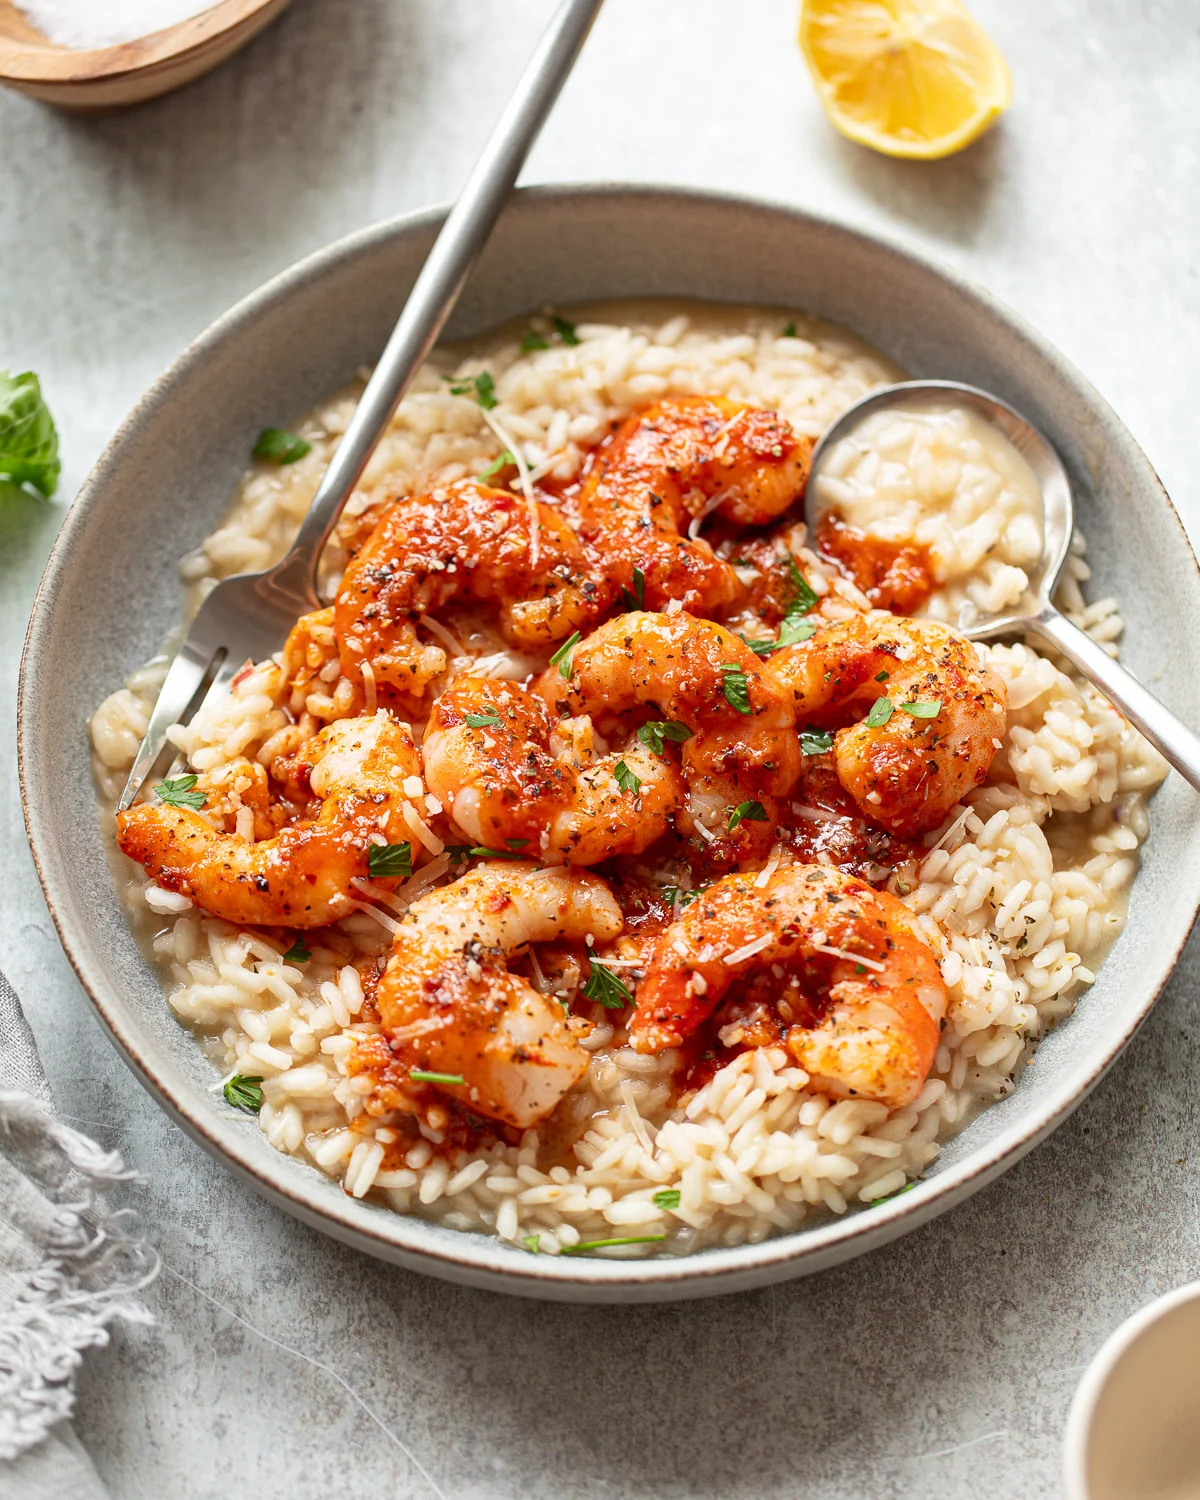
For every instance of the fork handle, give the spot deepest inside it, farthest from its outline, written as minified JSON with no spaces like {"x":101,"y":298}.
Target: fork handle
{"x":437,"y":288}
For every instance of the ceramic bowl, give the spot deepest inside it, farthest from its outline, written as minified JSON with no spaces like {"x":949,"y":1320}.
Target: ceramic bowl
{"x":1133,"y":1432}
{"x":168,"y":474}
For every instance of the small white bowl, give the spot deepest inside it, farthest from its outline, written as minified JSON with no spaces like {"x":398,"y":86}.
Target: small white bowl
{"x":1133,"y":1431}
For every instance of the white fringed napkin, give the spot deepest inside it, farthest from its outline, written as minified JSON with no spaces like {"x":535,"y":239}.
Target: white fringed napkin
{"x":68,"y":1267}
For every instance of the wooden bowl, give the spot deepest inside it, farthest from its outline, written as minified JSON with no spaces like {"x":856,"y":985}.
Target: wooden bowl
{"x":89,"y":82}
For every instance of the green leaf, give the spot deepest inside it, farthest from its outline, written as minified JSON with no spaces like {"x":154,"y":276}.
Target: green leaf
{"x":28,"y":436}
{"x":882,"y":676}
{"x":503,"y":460}
{"x":789,"y":331}
{"x":565,"y":330}
{"x":655,"y":731}
{"x":795,"y":629}
{"x":178,"y":792}
{"x":562,"y":657}
{"x":244,"y":1092}
{"x":907,"y":1188}
{"x":532,"y":1241}
{"x":532,"y":342}
{"x":683,"y":899}
{"x":516,"y":843}
{"x":298,"y":953}
{"x":759,"y":647}
{"x":667,"y":1198}
{"x":625,"y":778}
{"x":881,"y":711}
{"x":423,"y":1075}
{"x":816,"y":741}
{"x":803,"y":596}
{"x":747,"y":812}
{"x":586,"y":1246}
{"x":481,"y":387}
{"x":481,"y":851}
{"x":636,"y":599}
{"x":737,"y":688}
{"x":481,"y":721}
{"x":923,"y":708}
{"x":390,"y":861}
{"x":604,"y":987}
{"x":278,"y":446}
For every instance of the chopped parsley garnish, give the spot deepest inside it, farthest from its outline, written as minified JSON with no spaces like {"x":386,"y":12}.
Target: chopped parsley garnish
{"x":789,"y":331}
{"x":516,"y":843}
{"x":565,"y":330}
{"x":481,"y":721}
{"x":747,"y":812}
{"x":532,"y":1241}
{"x":881,"y":711}
{"x":736,"y":687}
{"x":759,"y":647}
{"x":178,"y":792}
{"x":626,"y":780}
{"x":907,"y":1188}
{"x":655,"y":731}
{"x":532,"y":342}
{"x":795,"y":629}
{"x":683,"y":899}
{"x":501,"y":461}
{"x":586,"y":1246}
{"x":882,"y":676}
{"x":278,"y":446}
{"x":390,"y":861}
{"x":816,"y":741}
{"x":481,"y":387}
{"x":667,"y":1198}
{"x":604,"y":987}
{"x":423,"y":1075}
{"x":804,"y":597}
{"x":298,"y":953}
{"x":481,"y":851}
{"x":923,"y":708}
{"x":244,"y":1091}
{"x":635,"y":599}
{"x":562,"y":657}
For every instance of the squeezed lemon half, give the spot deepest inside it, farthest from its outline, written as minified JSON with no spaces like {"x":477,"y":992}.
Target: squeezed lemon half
{"x":916,"y":78}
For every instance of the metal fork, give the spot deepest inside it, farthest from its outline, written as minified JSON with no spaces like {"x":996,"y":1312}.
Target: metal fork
{"x":249,"y":616}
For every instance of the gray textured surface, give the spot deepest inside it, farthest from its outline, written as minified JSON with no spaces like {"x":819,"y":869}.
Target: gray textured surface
{"x":947,"y":1357}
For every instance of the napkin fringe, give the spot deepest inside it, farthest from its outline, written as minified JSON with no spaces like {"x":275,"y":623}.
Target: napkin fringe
{"x":93,"y":1273}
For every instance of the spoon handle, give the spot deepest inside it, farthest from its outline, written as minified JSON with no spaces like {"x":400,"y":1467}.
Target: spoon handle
{"x":437,"y":288}
{"x":1160,"y":726}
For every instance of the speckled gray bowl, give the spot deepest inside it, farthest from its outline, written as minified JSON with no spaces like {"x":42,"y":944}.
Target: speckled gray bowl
{"x":167,"y":476}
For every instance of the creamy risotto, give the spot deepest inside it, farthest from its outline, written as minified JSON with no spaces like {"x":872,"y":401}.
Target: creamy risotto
{"x":714,"y":1119}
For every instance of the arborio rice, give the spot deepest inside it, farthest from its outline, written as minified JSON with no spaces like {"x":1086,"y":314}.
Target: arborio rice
{"x":1019,"y":894}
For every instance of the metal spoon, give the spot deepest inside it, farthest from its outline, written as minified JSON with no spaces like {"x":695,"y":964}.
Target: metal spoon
{"x":1035,"y":613}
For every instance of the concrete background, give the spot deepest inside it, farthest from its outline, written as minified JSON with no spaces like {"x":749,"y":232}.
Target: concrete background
{"x":283,"y":1364}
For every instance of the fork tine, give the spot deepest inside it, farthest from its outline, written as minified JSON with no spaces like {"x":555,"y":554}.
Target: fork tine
{"x":182,"y":693}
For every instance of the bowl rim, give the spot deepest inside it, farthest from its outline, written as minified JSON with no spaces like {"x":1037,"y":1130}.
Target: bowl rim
{"x":1082,"y":1412}
{"x":478,"y":1259}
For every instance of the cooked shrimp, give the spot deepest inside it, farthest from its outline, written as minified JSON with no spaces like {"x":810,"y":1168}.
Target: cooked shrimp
{"x":909,"y":770}
{"x":852,"y":960}
{"x":303,"y":877}
{"x":466,"y":540}
{"x":451,"y":1007}
{"x":488,"y":759}
{"x":673,"y":463}
{"x":740,"y":746}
